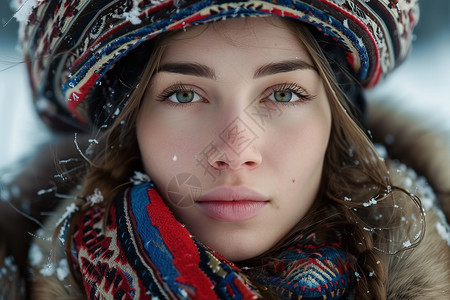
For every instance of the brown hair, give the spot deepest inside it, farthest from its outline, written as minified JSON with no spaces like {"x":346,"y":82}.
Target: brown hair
{"x":353,"y":175}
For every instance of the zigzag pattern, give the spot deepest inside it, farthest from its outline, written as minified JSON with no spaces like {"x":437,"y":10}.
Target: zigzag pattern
{"x":143,"y":253}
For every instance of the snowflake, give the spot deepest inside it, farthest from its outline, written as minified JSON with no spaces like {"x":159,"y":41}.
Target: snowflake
{"x":62,"y":271}
{"x":95,"y":198}
{"x":139,"y":177}
{"x":70,"y":209}
{"x":35,"y":255}
{"x":371,"y":202}
{"x":133,"y":15}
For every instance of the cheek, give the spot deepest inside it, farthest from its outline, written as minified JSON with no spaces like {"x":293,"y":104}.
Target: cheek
{"x":299,"y":154}
{"x":156,"y":145}
{"x":167,"y":149}
{"x":303,"y":143}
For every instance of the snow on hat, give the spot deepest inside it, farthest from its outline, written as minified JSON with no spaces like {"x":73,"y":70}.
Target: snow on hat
{"x":70,"y":45}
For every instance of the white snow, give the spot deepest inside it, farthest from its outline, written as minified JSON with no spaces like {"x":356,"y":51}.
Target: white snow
{"x":95,"y":198}
{"x":443,"y":231}
{"x":133,"y":14}
{"x":370,"y":202}
{"x":35,"y":255}
{"x":139,"y":177}
{"x":70,"y":209}
{"x":346,"y":23}
{"x":21,"y":131}
{"x":420,"y":86}
{"x":62,"y":271}
{"x":24,"y":10}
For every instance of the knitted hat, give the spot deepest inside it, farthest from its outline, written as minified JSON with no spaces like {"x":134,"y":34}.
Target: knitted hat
{"x":70,"y":45}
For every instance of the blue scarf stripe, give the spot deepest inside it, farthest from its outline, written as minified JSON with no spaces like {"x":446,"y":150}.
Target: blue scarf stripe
{"x":139,"y":263}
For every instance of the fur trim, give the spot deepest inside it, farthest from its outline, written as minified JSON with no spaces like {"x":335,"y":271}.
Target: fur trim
{"x":52,"y":288}
{"x":422,"y":272}
{"x":417,"y":140}
{"x":50,"y":274}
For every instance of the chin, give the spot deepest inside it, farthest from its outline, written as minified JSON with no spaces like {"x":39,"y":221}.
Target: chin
{"x":237,"y":256}
{"x":239,"y":251}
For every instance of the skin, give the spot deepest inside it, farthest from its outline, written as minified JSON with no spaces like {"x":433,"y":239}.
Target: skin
{"x":280,"y":155}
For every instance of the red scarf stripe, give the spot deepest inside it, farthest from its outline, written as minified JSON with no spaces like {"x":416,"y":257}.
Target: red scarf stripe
{"x":179,"y":241}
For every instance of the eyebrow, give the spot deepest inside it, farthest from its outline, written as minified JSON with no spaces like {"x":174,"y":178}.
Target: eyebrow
{"x":200,"y":70}
{"x":194,"y":69}
{"x":282,"y":67}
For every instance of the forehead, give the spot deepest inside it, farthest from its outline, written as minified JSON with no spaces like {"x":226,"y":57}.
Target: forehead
{"x":258,"y":37}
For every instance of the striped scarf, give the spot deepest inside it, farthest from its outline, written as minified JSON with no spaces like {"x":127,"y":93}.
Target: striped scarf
{"x":143,"y":252}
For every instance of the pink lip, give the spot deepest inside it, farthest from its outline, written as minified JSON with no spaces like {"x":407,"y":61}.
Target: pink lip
{"x":232,"y":204}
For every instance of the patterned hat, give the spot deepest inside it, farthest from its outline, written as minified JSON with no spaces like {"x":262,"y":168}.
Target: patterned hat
{"x":70,"y":45}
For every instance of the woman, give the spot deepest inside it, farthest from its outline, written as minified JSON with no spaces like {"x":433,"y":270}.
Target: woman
{"x":248,"y":130}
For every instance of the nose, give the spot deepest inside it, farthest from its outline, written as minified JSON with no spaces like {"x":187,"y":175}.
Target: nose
{"x":236,"y":148}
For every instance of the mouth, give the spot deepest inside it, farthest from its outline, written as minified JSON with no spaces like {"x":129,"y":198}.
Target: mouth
{"x":232,"y":204}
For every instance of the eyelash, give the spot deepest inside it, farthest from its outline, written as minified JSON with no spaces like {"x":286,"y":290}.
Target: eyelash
{"x":179,"y":87}
{"x":292,"y":87}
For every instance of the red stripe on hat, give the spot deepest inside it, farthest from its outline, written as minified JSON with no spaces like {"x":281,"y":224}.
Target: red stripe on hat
{"x":113,"y":30}
{"x":178,"y":240}
{"x":76,"y":98}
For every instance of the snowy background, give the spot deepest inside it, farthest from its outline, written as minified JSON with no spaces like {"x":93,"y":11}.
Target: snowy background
{"x":421,"y":84}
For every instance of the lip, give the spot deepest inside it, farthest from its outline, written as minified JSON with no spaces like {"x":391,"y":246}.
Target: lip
{"x":232,"y":204}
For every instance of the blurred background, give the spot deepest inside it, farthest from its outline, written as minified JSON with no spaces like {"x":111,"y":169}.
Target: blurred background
{"x":421,"y":84}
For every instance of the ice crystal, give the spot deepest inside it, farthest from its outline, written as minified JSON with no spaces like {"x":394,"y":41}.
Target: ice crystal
{"x":70,"y":209}
{"x":371,"y":202}
{"x":133,"y":14}
{"x":46,"y":191}
{"x":62,"y":271}
{"x":139,"y":177}
{"x":93,"y":141}
{"x":95,"y":198}
{"x":35,"y":255}
{"x":346,"y":23}
{"x":339,"y":2}
{"x":47,"y":270}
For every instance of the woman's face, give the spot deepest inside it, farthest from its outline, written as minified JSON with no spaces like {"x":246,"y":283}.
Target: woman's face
{"x":233,"y":131}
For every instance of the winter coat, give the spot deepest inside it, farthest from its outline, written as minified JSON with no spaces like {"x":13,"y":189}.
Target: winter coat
{"x":420,"y":273}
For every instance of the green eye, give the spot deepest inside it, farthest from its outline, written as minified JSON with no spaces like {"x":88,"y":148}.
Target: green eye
{"x":287,"y":92}
{"x":184,"y":96}
{"x":282,"y":96}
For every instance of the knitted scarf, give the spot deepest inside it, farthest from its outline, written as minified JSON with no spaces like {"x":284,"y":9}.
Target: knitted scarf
{"x":143,"y":252}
